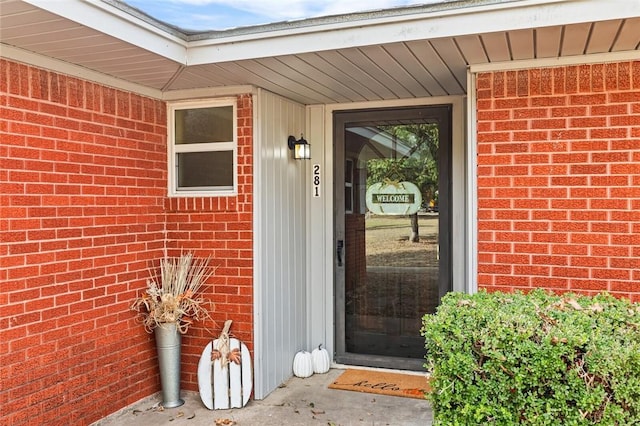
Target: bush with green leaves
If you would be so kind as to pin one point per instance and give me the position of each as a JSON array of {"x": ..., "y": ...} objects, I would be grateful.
[{"x": 534, "y": 359}]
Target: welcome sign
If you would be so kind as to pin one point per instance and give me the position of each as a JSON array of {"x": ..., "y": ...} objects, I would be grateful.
[{"x": 393, "y": 198}]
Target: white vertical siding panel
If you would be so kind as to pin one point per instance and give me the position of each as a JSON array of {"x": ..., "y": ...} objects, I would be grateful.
[{"x": 280, "y": 231}]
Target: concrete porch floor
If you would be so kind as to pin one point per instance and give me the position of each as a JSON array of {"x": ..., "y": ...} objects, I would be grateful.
[{"x": 297, "y": 402}]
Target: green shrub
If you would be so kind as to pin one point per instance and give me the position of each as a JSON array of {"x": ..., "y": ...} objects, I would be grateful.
[{"x": 535, "y": 359}]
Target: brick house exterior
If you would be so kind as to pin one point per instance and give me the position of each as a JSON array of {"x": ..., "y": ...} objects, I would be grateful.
[
  {"x": 559, "y": 179},
  {"x": 545, "y": 176},
  {"x": 84, "y": 215}
]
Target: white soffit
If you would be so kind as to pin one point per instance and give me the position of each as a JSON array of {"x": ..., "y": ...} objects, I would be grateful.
[
  {"x": 406, "y": 53},
  {"x": 117, "y": 23},
  {"x": 76, "y": 71}
]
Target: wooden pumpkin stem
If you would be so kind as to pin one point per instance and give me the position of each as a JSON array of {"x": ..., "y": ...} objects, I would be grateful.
[{"x": 223, "y": 344}]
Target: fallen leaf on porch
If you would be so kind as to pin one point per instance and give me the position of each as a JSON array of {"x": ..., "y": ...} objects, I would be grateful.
[
  {"x": 134, "y": 412},
  {"x": 192, "y": 416},
  {"x": 224, "y": 422},
  {"x": 180, "y": 414},
  {"x": 317, "y": 411},
  {"x": 414, "y": 391}
]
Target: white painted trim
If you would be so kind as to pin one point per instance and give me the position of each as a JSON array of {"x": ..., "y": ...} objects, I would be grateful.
[
  {"x": 319, "y": 296},
  {"x": 258, "y": 336},
  {"x": 50, "y": 64},
  {"x": 345, "y": 31},
  {"x": 472, "y": 189},
  {"x": 208, "y": 92},
  {"x": 596, "y": 58},
  {"x": 393, "y": 103},
  {"x": 117, "y": 23},
  {"x": 459, "y": 237},
  {"x": 460, "y": 21},
  {"x": 458, "y": 201},
  {"x": 172, "y": 149},
  {"x": 359, "y": 20},
  {"x": 328, "y": 235}
]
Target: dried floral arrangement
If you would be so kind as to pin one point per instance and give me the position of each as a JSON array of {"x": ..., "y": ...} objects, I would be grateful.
[{"x": 173, "y": 296}]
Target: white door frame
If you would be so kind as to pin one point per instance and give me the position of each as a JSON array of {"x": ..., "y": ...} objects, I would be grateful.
[{"x": 320, "y": 219}]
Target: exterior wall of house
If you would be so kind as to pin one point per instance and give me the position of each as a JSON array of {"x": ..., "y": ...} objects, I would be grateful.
[
  {"x": 222, "y": 227},
  {"x": 281, "y": 314},
  {"x": 83, "y": 215},
  {"x": 559, "y": 179}
]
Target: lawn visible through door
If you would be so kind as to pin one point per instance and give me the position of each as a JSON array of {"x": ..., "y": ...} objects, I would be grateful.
[{"x": 392, "y": 238}]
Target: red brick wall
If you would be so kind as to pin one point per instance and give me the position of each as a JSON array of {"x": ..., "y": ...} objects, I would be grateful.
[
  {"x": 83, "y": 214},
  {"x": 355, "y": 256},
  {"x": 222, "y": 227},
  {"x": 559, "y": 179}
]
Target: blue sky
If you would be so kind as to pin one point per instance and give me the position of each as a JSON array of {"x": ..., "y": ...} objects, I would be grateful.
[{"x": 225, "y": 14}]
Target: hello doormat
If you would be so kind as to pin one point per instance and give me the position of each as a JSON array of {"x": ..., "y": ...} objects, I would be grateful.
[{"x": 384, "y": 383}]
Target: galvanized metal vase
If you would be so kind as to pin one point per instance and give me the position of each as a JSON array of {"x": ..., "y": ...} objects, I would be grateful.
[{"x": 168, "y": 340}]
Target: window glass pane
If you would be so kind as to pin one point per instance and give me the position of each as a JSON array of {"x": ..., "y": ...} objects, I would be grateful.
[
  {"x": 205, "y": 169},
  {"x": 348, "y": 199},
  {"x": 204, "y": 125}
]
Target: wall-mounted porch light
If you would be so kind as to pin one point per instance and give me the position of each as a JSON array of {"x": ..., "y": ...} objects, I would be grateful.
[{"x": 301, "y": 148}]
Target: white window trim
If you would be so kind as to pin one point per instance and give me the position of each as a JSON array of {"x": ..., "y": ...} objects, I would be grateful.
[{"x": 173, "y": 149}]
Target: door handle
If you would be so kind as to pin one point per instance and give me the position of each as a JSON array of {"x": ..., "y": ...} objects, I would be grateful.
[{"x": 339, "y": 249}]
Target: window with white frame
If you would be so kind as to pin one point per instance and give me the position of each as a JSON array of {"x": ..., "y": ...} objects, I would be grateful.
[{"x": 202, "y": 147}]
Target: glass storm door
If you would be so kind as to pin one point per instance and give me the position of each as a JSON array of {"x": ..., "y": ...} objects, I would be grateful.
[{"x": 392, "y": 231}]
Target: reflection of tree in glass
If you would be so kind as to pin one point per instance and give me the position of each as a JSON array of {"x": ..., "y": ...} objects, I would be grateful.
[{"x": 419, "y": 166}]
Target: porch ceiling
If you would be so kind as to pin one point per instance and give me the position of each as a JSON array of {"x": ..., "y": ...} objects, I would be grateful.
[{"x": 381, "y": 56}]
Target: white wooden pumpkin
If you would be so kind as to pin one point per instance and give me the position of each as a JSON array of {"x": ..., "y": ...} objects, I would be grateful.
[
  {"x": 223, "y": 387},
  {"x": 320, "y": 359},
  {"x": 303, "y": 364}
]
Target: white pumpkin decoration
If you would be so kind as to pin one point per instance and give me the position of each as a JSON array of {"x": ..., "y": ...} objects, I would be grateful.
[
  {"x": 303, "y": 364},
  {"x": 320, "y": 358}
]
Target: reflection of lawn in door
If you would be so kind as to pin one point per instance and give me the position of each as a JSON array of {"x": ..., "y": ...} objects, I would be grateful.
[
  {"x": 387, "y": 239},
  {"x": 401, "y": 285}
]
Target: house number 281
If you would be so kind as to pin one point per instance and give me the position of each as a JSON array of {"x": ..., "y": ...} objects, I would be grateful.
[{"x": 316, "y": 180}]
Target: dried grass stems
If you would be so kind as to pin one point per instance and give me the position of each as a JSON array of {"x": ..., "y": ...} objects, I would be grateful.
[{"x": 175, "y": 299}]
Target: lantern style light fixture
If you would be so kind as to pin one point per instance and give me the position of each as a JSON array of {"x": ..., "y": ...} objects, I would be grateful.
[{"x": 301, "y": 148}]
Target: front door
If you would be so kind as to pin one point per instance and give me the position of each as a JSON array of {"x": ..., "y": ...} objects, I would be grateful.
[{"x": 392, "y": 231}]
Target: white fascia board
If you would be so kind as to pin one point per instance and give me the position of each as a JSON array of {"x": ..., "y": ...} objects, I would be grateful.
[
  {"x": 112, "y": 21},
  {"x": 420, "y": 26},
  {"x": 51, "y": 64}
]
